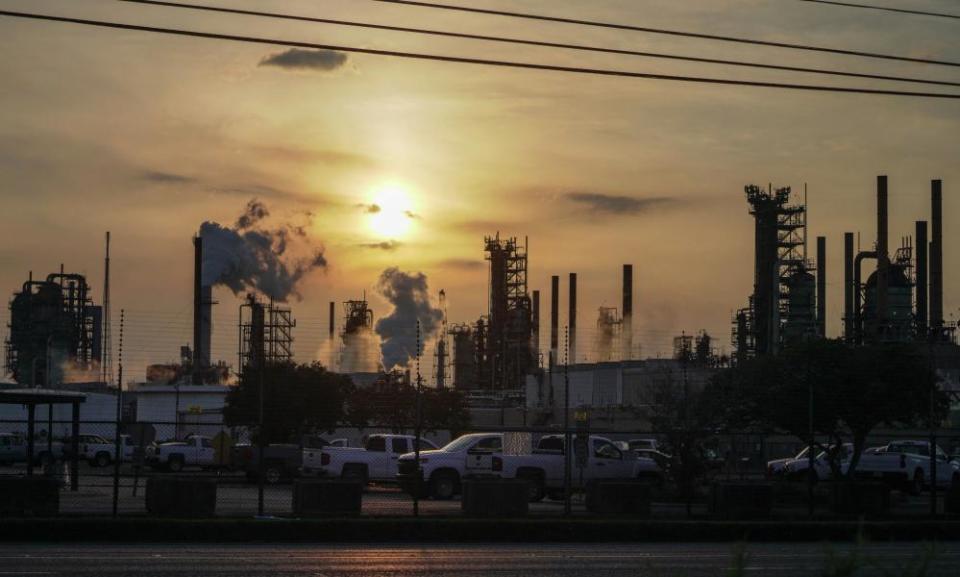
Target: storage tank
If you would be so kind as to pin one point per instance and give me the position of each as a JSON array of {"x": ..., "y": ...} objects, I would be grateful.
[
  {"x": 899, "y": 305},
  {"x": 801, "y": 307}
]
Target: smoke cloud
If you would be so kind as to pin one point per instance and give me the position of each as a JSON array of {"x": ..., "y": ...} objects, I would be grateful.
[
  {"x": 300, "y": 59},
  {"x": 616, "y": 204},
  {"x": 247, "y": 257},
  {"x": 410, "y": 297}
]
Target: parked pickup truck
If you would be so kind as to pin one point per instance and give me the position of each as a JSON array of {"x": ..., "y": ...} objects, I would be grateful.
[
  {"x": 99, "y": 451},
  {"x": 281, "y": 462},
  {"x": 902, "y": 464},
  {"x": 13, "y": 449},
  {"x": 600, "y": 459},
  {"x": 375, "y": 461},
  {"x": 443, "y": 469},
  {"x": 193, "y": 451}
]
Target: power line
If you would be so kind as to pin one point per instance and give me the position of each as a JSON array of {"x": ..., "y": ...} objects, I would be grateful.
[
  {"x": 885, "y": 8},
  {"x": 479, "y": 61},
  {"x": 540, "y": 43},
  {"x": 668, "y": 32}
]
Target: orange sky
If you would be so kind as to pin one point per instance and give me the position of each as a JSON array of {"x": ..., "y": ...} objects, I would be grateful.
[{"x": 147, "y": 136}]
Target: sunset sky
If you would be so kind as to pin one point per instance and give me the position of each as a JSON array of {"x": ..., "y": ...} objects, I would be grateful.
[{"x": 148, "y": 135}]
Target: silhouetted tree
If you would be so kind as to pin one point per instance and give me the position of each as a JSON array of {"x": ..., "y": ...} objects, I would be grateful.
[
  {"x": 297, "y": 400},
  {"x": 854, "y": 389}
]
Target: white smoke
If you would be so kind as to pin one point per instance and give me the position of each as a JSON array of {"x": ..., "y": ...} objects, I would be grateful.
[
  {"x": 247, "y": 257},
  {"x": 410, "y": 297}
]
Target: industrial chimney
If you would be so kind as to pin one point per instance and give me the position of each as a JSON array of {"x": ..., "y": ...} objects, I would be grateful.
[
  {"x": 936, "y": 259},
  {"x": 197, "y": 376},
  {"x": 627, "y": 332},
  {"x": 883, "y": 259},
  {"x": 822, "y": 286},
  {"x": 332, "y": 316},
  {"x": 535, "y": 321},
  {"x": 572, "y": 319},
  {"x": 921, "y": 259},
  {"x": 849, "y": 286},
  {"x": 554, "y": 316}
]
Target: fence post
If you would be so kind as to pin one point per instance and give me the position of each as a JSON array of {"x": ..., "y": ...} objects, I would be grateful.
[
  {"x": 118, "y": 450},
  {"x": 933, "y": 474},
  {"x": 260, "y": 435},
  {"x": 417, "y": 432}
]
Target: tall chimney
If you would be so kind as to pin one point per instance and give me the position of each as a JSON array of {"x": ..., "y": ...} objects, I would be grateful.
[
  {"x": 883, "y": 258},
  {"x": 197, "y": 377},
  {"x": 572, "y": 319},
  {"x": 206, "y": 324},
  {"x": 936, "y": 259},
  {"x": 535, "y": 321},
  {"x": 333, "y": 306},
  {"x": 822, "y": 286},
  {"x": 627, "y": 333},
  {"x": 554, "y": 315},
  {"x": 921, "y": 256},
  {"x": 848, "y": 287}
]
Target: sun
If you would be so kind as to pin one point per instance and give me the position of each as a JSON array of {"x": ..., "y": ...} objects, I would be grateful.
[{"x": 390, "y": 213}]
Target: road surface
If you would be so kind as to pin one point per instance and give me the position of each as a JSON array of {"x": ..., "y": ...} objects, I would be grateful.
[{"x": 526, "y": 560}]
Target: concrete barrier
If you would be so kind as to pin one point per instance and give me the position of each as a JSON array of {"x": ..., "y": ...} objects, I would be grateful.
[
  {"x": 741, "y": 500},
  {"x": 312, "y": 497},
  {"x": 619, "y": 498},
  {"x": 495, "y": 498},
  {"x": 29, "y": 496},
  {"x": 870, "y": 498},
  {"x": 181, "y": 496}
]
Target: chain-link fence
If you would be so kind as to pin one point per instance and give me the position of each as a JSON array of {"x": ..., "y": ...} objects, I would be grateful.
[{"x": 227, "y": 472}]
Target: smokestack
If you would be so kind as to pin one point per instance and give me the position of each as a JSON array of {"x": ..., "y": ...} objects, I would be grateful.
[
  {"x": 572, "y": 318},
  {"x": 536, "y": 322},
  {"x": 627, "y": 312},
  {"x": 197, "y": 377},
  {"x": 822, "y": 286},
  {"x": 332, "y": 316},
  {"x": 921, "y": 256},
  {"x": 883, "y": 257},
  {"x": 554, "y": 315},
  {"x": 936, "y": 259},
  {"x": 206, "y": 324},
  {"x": 848, "y": 287}
]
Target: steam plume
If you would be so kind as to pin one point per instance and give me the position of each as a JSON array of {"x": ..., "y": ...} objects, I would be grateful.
[
  {"x": 247, "y": 257},
  {"x": 410, "y": 297}
]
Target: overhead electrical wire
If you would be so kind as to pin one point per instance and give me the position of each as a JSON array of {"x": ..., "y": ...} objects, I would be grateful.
[
  {"x": 477, "y": 61},
  {"x": 539, "y": 43},
  {"x": 668, "y": 32},
  {"x": 885, "y": 8}
]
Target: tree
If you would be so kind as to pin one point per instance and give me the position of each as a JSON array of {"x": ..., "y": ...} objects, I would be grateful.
[
  {"x": 391, "y": 403},
  {"x": 854, "y": 389},
  {"x": 297, "y": 400}
]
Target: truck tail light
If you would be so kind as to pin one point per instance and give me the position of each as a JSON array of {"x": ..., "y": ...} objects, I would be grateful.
[
  {"x": 497, "y": 464},
  {"x": 324, "y": 459}
]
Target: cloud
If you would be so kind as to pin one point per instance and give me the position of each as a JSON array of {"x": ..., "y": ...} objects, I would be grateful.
[
  {"x": 299, "y": 59},
  {"x": 410, "y": 214},
  {"x": 462, "y": 263},
  {"x": 161, "y": 177},
  {"x": 369, "y": 208},
  {"x": 388, "y": 245},
  {"x": 616, "y": 204}
]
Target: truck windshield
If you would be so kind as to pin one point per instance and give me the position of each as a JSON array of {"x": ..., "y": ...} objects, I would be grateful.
[{"x": 460, "y": 443}]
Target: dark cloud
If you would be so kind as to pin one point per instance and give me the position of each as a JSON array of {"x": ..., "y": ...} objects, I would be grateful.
[
  {"x": 616, "y": 204},
  {"x": 161, "y": 177},
  {"x": 299, "y": 59},
  {"x": 369, "y": 208},
  {"x": 411, "y": 214},
  {"x": 387, "y": 245},
  {"x": 462, "y": 263}
]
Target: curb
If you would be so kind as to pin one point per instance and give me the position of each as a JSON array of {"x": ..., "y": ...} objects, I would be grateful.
[{"x": 391, "y": 529}]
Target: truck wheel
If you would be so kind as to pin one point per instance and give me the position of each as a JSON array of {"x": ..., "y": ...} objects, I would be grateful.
[
  {"x": 354, "y": 473},
  {"x": 536, "y": 491},
  {"x": 102, "y": 459},
  {"x": 917, "y": 485},
  {"x": 175, "y": 464},
  {"x": 273, "y": 475},
  {"x": 443, "y": 486}
]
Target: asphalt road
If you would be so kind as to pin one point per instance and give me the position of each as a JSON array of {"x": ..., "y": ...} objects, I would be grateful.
[{"x": 635, "y": 560}]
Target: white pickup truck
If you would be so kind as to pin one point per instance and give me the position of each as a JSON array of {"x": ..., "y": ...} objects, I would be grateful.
[
  {"x": 443, "y": 469},
  {"x": 902, "y": 464},
  {"x": 375, "y": 461},
  {"x": 597, "y": 458},
  {"x": 193, "y": 451}
]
